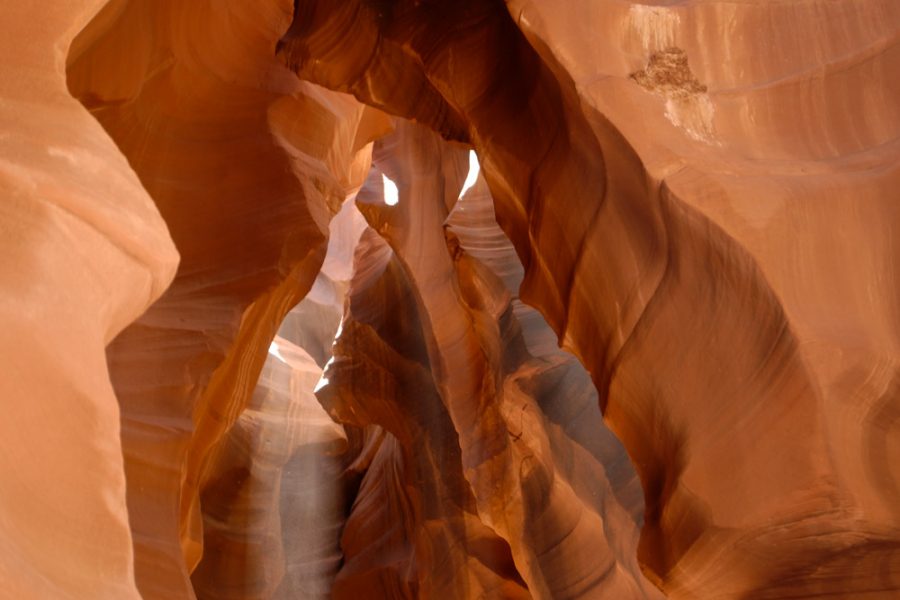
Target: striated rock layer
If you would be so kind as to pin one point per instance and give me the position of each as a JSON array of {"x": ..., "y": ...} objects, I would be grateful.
[
  {"x": 351, "y": 386},
  {"x": 568, "y": 534},
  {"x": 84, "y": 252},
  {"x": 218, "y": 135},
  {"x": 667, "y": 242}
]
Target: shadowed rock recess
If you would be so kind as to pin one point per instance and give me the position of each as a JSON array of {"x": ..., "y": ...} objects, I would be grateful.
[{"x": 450, "y": 299}]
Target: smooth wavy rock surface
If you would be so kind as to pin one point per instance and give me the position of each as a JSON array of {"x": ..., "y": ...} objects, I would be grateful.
[
  {"x": 568, "y": 534},
  {"x": 450, "y": 299},
  {"x": 702, "y": 261},
  {"x": 84, "y": 252},
  {"x": 220, "y": 150}
]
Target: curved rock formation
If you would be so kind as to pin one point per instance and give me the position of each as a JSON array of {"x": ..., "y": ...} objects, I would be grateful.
[
  {"x": 274, "y": 498},
  {"x": 350, "y": 384},
  {"x": 218, "y": 140},
  {"x": 625, "y": 245},
  {"x": 84, "y": 253},
  {"x": 540, "y": 491}
]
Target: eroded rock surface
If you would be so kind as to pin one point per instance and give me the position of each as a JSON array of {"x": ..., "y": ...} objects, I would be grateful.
[
  {"x": 629, "y": 206},
  {"x": 84, "y": 252},
  {"x": 351, "y": 385}
]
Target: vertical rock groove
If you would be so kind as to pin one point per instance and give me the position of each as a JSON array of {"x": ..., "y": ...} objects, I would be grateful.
[
  {"x": 450, "y": 299},
  {"x": 615, "y": 257}
]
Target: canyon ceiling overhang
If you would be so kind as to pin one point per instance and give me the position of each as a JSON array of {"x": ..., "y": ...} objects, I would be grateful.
[{"x": 450, "y": 299}]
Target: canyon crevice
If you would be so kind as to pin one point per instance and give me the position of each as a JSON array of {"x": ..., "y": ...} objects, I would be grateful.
[{"x": 450, "y": 299}]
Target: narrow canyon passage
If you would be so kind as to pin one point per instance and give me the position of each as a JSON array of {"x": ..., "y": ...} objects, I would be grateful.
[{"x": 450, "y": 299}]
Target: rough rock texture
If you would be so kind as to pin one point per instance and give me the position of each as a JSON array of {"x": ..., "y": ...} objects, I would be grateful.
[{"x": 351, "y": 386}]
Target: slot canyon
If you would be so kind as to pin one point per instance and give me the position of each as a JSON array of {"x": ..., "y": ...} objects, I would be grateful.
[{"x": 476, "y": 299}]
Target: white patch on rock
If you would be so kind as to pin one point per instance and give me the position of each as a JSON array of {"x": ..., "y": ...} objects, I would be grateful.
[
  {"x": 694, "y": 114},
  {"x": 654, "y": 25}
]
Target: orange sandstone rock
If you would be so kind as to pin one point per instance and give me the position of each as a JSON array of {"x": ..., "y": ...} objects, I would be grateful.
[
  {"x": 696, "y": 200},
  {"x": 83, "y": 252},
  {"x": 648, "y": 221},
  {"x": 246, "y": 165}
]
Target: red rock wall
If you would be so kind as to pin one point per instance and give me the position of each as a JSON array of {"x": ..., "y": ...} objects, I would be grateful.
[
  {"x": 696, "y": 199},
  {"x": 219, "y": 149},
  {"x": 84, "y": 252},
  {"x": 659, "y": 249}
]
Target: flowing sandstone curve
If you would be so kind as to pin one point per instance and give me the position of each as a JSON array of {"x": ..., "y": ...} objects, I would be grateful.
[
  {"x": 540, "y": 490},
  {"x": 275, "y": 495},
  {"x": 413, "y": 530},
  {"x": 246, "y": 165},
  {"x": 665, "y": 220},
  {"x": 84, "y": 252},
  {"x": 695, "y": 198}
]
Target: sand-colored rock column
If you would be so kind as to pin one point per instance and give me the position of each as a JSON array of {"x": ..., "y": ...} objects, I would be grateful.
[{"x": 83, "y": 252}]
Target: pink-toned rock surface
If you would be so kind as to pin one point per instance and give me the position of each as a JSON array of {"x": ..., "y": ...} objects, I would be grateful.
[
  {"x": 275, "y": 496},
  {"x": 265, "y": 337},
  {"x": 539, "y": 490},
  {"x": 218, "y": 134},
  {"x": 84, "y": 252},
  {"x": 677, "y": 262}
]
